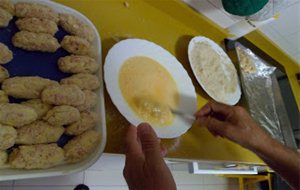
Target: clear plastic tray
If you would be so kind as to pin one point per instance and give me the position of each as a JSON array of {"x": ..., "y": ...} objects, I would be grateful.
[{"x": 28, "y": 69}]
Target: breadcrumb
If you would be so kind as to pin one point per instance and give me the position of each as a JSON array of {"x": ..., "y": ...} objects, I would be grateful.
[
  {"x": 5, "y": 18},
  {"x": 85, "y": 81},
  {"x": 90, "y": 101},
  {"x": 81, "y": 146},
  {"x": 6, "y": 55},
  {"x": 8, "y": 136},
  {"x": 40, "y": 156},
  {"x": 78, "y": 64},
  {"x": 63, "y": 95},
  {"x": 62, "y": 115},
  {"x": 26, "y": 87},
  {"x": 34, "y": 10},
  {"x": 3, "y": 74},
  {"x": 76, "y": 27},
  {"x": 37, "y": 25},
  {"x": 16, "y": 115},
  {"x": 31, "y": 41},
  {"x": 39, "y": 132},
  {"x": 88, "y": 120},
  {"x": 8, "y": 6},
  {"x": 78, "y": 46},
  {"x": 3, "y": 97},
  {"x": 39, "y": 107}
]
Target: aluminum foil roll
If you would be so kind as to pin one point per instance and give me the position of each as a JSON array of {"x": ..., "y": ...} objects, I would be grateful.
[{"x": 257, "y": 78}]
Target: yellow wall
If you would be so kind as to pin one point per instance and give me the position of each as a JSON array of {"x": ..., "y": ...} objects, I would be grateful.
[{"x": 170, "y": 24}]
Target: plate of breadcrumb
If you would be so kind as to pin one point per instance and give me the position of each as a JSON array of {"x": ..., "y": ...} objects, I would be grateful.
[{"x": 52, "y": 114}]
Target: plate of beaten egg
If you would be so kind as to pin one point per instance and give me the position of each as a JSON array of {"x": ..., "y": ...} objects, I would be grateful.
[
  {"x": 147, "y": 83},
  {"x": 52, "y": 115}
]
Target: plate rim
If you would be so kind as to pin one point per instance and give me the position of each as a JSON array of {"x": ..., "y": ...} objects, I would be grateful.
[
  {"x": 113, "y": 89},
  {"x": 236, "y": 96}
]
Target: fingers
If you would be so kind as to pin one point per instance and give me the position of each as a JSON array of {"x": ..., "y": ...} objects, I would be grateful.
[
  {"x": 132, "y": 144},
  {"x": 213, "y": 107},
  {"x": 163, "y": 151},
  {"x": 134, "y": 155},
  {"x": 204, "y": 111},
  {"x": 219, "y": 108},
  {"x": 150, "y": 144},
  {"x": 215, "y": 126}
]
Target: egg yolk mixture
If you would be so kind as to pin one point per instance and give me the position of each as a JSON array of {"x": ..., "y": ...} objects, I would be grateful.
[{"x": 149, "y": 90}]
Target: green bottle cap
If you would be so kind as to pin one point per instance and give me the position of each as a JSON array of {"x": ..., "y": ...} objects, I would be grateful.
[{"x": 243, "y": 7}]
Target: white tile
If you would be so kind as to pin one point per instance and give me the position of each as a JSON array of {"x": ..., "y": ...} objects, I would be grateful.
[
  {"x": 69, "y": 180},
  {"x": 288, "y": 21},
  {"x": 184, "y": 178},
  {"x": 294, "y": 40},
  {"x": 212, "y": 12},
  {"x": 6, "y": 188},
  {"x": 292, "y": 2},
  {"x": 217, "y": 3},
  {"x": 289, "y": 44},
  {"x": 285, "y": 46},
  {"x": 109, "y": 162},
  {"x": 296, "y": 57},
  {"x": 270, "y": 32},
  {"x": 170, "y": 166},
  {"x": 106, "y": 178},
  {"x": 6, "y": 183},
  {"x": 180, "y": 167},
  {"x": 221, "y": 187},
  {"x": 108, "y": 188},
  {"x": 213, "y": 179},
  {"x": 190, "y": 187},
  {"x": 43, "y": 188}
]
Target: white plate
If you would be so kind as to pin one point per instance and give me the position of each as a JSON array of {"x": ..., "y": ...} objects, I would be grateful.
[
  {"x": 12, "y": 174},
  {"x": 231, "y": 98},
  {"x": 125, "y": 49}
]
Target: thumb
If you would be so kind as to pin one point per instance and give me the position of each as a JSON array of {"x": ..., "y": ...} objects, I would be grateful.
[{"x": 150, "y": 144}]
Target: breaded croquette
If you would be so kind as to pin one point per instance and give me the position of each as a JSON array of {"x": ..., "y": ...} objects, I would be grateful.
[
  {"x": 62, "y": 115},
  {"x": 78, "y": 46},
  {"x": 8, "y": 136},
  {"x": 63, "y": 95},
  {"x": 76, "y": 27},
  {"x": 38, "y": 132},
  {"x": 78, "y": 64},
  {"x": 31, "y": 41},
  {"x": 6, "y": 55},
  {"x": 16, "y": 115},
  {"x": 34, "y": 10},
  {"x": 90, "y": 101},
  {"x": 40, "y": 156},
  {"x": 85, "y": 81},
  {"x": 26, "y": 87},
  {"x": 88, "y": 120},
  {"x": 81, "y": 146},
  {"x": 37, "y": 25},
  {"x": 39, "y": 107}
]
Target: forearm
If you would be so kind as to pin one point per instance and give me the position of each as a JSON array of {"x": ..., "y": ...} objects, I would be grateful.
[
  {"x": 236, "y": 124},
  {"x": 285, "y": 161}
]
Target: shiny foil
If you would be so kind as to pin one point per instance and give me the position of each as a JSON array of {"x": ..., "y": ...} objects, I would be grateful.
[{"x": 257, "y": 79}]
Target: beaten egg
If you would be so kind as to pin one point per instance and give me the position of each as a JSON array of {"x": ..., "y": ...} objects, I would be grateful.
[
  {"x": 149, "y": 89},
  {"x": 147, "y": 84}
]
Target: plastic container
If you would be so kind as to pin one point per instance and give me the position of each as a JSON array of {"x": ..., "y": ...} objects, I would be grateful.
[{"x": 13, "y": 174}]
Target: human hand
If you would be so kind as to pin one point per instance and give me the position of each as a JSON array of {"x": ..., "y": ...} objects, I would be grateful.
[
  {"x": 232, "y": 122},
  {"x": 145, "y": 168}
]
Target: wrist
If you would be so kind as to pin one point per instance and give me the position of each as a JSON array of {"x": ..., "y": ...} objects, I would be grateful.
[{"x": 261, "y": 143}]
